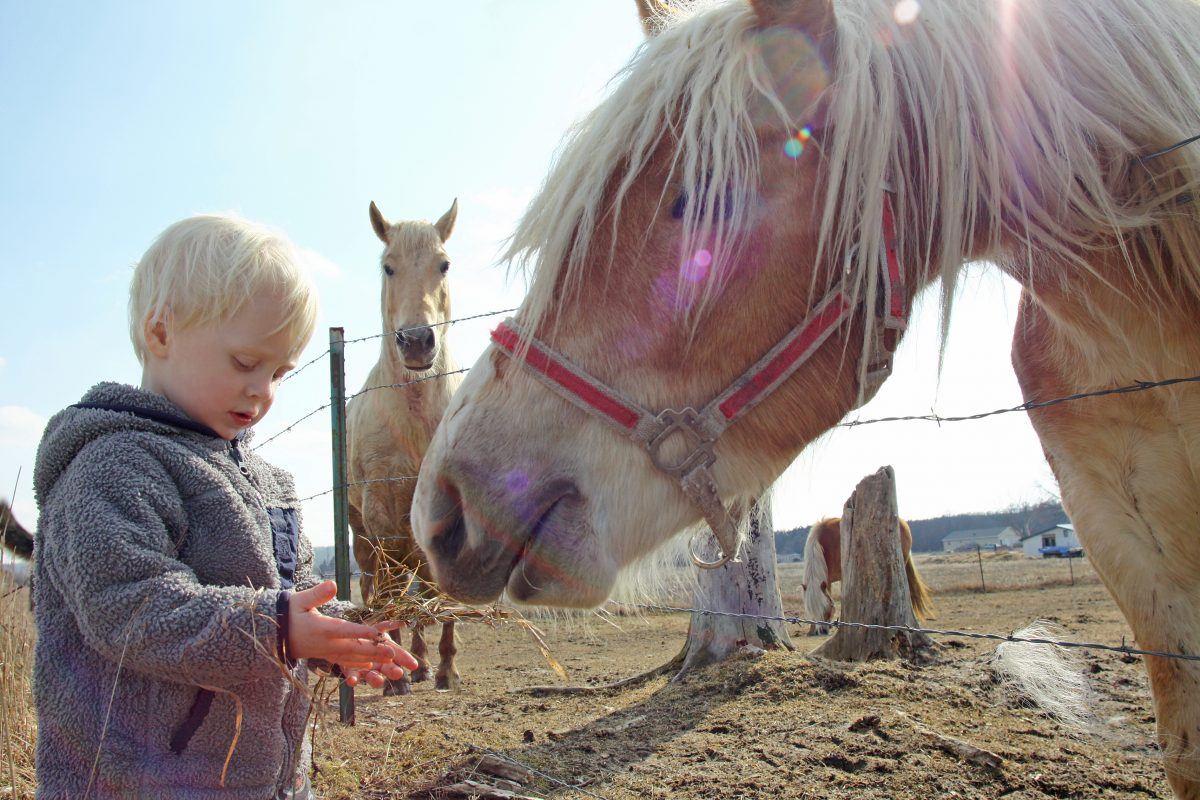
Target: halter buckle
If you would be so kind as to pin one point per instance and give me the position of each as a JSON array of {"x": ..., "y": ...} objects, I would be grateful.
[{"x": 700, "y": 453}]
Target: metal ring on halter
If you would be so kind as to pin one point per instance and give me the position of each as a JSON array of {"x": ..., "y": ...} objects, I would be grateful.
[{"x": 721, "y": 561}]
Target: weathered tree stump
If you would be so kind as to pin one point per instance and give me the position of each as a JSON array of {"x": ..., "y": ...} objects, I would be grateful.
[
  {"x": 748, "y": 586},
  {"x": 874, "y": 583}
]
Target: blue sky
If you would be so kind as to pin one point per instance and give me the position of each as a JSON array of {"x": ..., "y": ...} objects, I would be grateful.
[{"x": 120, "y": 118}]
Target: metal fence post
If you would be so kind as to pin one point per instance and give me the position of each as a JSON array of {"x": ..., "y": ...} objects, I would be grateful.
[
  {"x": 341, "y": 520},
  {"x": 982, "y": 581}
]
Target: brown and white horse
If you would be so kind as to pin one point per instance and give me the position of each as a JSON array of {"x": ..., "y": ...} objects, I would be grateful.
[
  {"x": 389, "y": 429},
  {"x": 15, "y": 538},
  {"x": 823, "y": 568},
  {"x": 761, "y": 162}
]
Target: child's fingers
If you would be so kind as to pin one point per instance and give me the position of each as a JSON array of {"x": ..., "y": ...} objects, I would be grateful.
[
  {"x": 344, "y": 629},
  {"x": 350, "y": 650},
  {"x": 389, "y": 626},
  {"x": 391, "y": 671},
  {"x": 399, "y": 655}
]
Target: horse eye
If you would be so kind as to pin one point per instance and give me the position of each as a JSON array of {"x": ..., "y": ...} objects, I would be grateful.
[
  {"x": 388, "y": 270},
  {"x": 445, "y": 267},
  {"x": 679, "y": 207}
]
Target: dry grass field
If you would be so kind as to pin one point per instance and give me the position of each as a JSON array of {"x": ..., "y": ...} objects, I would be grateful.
[{"x": 779, "y": 725}]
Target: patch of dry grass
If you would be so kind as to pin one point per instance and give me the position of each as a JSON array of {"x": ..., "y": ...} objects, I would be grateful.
[{"x": 18, "y": 723}]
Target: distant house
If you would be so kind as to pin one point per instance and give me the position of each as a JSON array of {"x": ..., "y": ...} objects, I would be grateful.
[
  {"x": 983, "y": 538},
  {"x": 1058, "y": 536}
]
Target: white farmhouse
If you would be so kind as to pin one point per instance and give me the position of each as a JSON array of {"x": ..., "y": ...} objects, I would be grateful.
[
  {"x": 983, "y": 538},
  {"x": 1058, "y": 536}
]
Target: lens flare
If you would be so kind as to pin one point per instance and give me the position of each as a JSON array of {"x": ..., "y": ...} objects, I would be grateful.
[
  {"x": 517, "y": 482},
  {"x": 906, "y": 11},
  {"x": 794, "y": 147}
]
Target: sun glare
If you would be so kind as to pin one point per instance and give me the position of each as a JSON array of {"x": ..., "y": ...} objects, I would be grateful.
[{"x": 906, "y": 11}]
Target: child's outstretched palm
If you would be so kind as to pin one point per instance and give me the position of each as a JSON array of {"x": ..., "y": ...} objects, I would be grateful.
[{"x": 362, "y": 652}]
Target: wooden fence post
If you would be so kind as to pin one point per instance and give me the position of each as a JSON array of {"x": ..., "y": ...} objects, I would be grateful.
[
  {"x": 748, "y": 586},
  {"x": 874, "y": 583}
]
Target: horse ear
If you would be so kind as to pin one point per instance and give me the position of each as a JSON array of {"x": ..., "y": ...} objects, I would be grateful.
[
  {"x": 379, "y": 223},
  {"x": 445, "y": 225},
  {"x": 653, "y": 15}
]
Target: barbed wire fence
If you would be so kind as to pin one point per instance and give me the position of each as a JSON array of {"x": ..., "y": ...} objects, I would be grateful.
[{"x": 337, "y": 405}]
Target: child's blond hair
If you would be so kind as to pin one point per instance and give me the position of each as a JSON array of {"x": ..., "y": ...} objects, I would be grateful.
[{"x": 203, "y": 269}]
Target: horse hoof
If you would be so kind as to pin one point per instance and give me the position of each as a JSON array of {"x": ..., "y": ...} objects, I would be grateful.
[
  {"x": 447, "y": 683},
  {"x": 419, "y": 674},
  {"x": 396, "y": 688}
]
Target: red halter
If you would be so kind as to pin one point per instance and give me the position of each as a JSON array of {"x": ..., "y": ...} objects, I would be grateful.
[{"x": 702, "y": 428}]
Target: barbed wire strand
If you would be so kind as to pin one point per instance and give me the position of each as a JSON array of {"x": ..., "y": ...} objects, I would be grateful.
[
  {"x": 356, "y": 394},
  {"x": 298, "y": 370},
  {"x": 1138, "y": 386},
  {"x": 292, "y": 426},
  {"x": 396, "y": 479},
  {"x": 431, "y": 325},
  {"x": 1000, "y": 637},
  {"x": 407, "y": 383}
]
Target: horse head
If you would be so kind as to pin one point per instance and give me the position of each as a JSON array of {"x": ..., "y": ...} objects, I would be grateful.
[
  {"x": 677, "y": 240},
  {"x": 415, "y": 295}
]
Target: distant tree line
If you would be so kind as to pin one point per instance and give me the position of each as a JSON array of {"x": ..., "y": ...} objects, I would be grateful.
[
  {"x": 324, "y": 565},
  {"x": 928, "y": 533}
]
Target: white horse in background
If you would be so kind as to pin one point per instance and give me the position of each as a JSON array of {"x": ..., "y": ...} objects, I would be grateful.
[{"x": 389, "y": 429}]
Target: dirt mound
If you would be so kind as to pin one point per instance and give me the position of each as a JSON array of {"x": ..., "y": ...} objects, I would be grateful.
[{"x": 777, "y": 726}]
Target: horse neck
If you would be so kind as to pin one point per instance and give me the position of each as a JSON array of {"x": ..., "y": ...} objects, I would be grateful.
[
  {"x": 424, "y": 395},
  {"x": 1112, "y": 318}
]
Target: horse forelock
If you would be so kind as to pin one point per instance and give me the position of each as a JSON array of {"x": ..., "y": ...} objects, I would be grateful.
[
  {"x": 1007, "y": 129},
  {"x": 687, "y": 89}
]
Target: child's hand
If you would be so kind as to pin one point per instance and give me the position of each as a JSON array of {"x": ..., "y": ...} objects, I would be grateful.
[{"x": 362, "y": 651}]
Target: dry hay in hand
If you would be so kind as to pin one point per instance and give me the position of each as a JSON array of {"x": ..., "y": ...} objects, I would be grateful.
[{"x": 411, "y": 610}]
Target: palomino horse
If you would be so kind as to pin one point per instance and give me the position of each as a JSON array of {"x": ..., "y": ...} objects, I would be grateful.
[
  {"x": 765, "y": 164},
  {"x": 823, "y": 568},
  {"x": 389, "y": 429}
]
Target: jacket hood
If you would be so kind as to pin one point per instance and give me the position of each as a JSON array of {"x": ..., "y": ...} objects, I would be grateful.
[{"x": 110, "y": 408}]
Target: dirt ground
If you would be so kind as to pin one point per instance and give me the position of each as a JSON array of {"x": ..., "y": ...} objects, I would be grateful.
[{"x": 776, "y": 726}]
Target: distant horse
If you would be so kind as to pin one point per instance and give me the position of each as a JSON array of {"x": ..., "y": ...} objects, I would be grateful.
[
  {"x": 823, "y": 568},
  {"x": 727, "y": 248},
  {"x": 16, "y": 538},
  {"x": 388, "y": 429}
]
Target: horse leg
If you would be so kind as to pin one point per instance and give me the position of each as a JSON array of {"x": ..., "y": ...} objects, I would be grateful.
[
  {"x": 1161, "y": 611},
  {"x": 447, "y": 673},
  {"x": 419, "y": 651},
  {"x": 1127, "y": 467},
  {"x": 405, "y": 685}
]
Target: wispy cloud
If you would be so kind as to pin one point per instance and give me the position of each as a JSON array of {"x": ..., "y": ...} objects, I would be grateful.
[
  {"x": 19, "y": 427},
  {"x": 3, "y": 362},
  {"x": 319, "y": 265}
]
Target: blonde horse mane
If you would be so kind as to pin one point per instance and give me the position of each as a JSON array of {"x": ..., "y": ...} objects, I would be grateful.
[
  {"x": 1006, "y": 127},
  {"x": 816, "y": 576}
]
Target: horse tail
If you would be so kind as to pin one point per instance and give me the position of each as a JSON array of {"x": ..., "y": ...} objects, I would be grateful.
[
  {"x": 16, "y": 538},
  {"x": 1048, "y": 676},
  {"x": 816, "y": 576},
  {"x": 918, "y": 591}
]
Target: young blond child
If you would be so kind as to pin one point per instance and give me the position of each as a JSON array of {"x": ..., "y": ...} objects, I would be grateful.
[{"x": 173, "y": 588}]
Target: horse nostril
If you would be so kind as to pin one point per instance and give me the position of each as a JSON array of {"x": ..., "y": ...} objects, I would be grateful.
[
  {"x": 422, "y": 339},
  {"x": 449, "y": 533}
]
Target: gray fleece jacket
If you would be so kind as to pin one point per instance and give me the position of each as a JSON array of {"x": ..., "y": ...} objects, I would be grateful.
[{"x": 163, "y": 561}]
